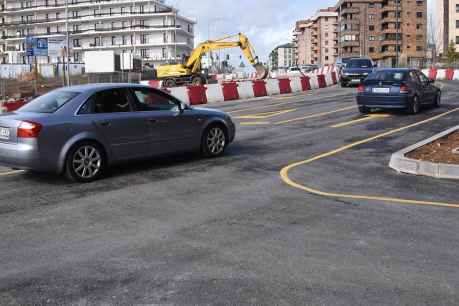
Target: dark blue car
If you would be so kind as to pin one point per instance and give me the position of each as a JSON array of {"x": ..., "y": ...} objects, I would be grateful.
[
  {"x": 355, "y": 71},
  {"x": 394, "y": 88}
]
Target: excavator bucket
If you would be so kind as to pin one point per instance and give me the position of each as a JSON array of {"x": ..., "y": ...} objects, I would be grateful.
[{"x": 262, "y": 71}]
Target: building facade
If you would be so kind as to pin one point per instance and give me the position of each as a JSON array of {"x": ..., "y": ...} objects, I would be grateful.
[
  {"x": 316, "y": 39},
  {"x": 447, "y": 25},
  {"x": 302, "y": 36},
  {"x": 390, "y": 32},
  {"x": 282, "y": 57},
  {"x": 149, "y": 29},
  {"x": 325, "y": 37}
]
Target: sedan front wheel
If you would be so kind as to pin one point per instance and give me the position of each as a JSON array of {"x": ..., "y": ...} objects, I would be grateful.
[{"x": 214, "y": 141}]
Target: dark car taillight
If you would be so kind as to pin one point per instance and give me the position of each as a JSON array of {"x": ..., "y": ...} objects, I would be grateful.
[
  {"x": 29, "y": 129},
  {"x": 361, "y": 88},
  {"x": 404, "y": 89}
]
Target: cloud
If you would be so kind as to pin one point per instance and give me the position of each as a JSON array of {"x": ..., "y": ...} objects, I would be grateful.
[{"x": 267, "y": 23}]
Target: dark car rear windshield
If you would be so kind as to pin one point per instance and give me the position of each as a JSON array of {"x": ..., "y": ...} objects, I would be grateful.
[
  {"x": 387, "y": 76},
  {"x": 359, "y": 63},
  {"x": 50, "y": 102}
]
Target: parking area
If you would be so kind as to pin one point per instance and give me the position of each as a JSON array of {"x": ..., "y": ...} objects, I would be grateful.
[{"x": 302, "y": 209}]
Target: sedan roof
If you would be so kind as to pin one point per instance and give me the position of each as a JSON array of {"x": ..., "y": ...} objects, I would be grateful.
[{"x": 102, "y": 86}]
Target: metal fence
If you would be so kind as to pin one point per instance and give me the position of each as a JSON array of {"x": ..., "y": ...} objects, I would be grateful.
[{"x": 33, "y": 85}]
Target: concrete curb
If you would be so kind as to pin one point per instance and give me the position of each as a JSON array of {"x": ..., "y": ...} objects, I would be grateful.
[{"x": 401, "y": 163}]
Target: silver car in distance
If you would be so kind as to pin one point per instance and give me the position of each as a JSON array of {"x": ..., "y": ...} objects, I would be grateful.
[{"x": 80, "y": 131}]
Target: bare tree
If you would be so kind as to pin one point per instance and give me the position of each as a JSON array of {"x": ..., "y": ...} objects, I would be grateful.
[{"x": 433, "y": 37}]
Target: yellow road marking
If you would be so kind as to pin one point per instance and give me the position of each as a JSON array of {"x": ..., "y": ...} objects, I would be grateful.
[
  {"x": 256, "y": 107},
  {"x": 255, "y": 123},
  {"x": 11, "y": 172},
  {"x": 366, "y": 118},
  {"x": 285, "y": 177},
  {"x": 266, "y": 115},
  {"x": 314, "y": 115}
]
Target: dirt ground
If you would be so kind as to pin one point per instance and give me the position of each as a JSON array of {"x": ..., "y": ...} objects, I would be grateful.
[{"x": 439, "y": 151}]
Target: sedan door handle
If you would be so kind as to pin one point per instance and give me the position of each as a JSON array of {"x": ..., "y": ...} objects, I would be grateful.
[{"x": 154, "y": 121}]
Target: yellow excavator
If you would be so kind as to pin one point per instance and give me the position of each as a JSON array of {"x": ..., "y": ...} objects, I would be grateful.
[{"x": 191, "y": 72}]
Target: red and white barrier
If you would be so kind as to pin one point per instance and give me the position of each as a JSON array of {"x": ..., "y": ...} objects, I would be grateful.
[
  {"x": 448, "y": 74},
  {"x": 228, "y": 91}
]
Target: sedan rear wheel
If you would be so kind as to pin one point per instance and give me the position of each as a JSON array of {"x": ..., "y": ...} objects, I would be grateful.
[
  {"x": 214, "y": 141},
  {"x": 437, "y": 102},
  {"x": 414, "y": 106},
  {"x": 85, "y": 163}
]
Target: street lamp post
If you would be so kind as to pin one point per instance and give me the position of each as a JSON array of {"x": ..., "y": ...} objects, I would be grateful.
[
  {"x": 397, "y": 35},
  {"x": 67, "y": 53}
]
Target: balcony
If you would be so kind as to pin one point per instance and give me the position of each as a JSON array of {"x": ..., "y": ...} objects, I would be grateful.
[
  {"x": 390, "y": 31},
  {"x": 354, "y": 43},
  {"x": 349, "y": 10},
  {"x": 388, "y": 53},
  {"x": 390, "y": 42},
  {"x": 390, "y": 19},
  {"x": 389, "y": 8}
]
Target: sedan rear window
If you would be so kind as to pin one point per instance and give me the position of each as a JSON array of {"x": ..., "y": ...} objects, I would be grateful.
[
  {"x": 50, "y": 102},
  {"x": 391, "y": 76}
]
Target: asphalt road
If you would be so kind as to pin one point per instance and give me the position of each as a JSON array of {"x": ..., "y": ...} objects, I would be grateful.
[{"x": 184, "y": 230}]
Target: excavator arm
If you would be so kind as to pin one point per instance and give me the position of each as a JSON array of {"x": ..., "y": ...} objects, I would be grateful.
[{"x": 194, "y": 61}]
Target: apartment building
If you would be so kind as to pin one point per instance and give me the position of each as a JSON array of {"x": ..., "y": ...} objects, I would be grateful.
[
  {"x": 302, "y": 36},
  {"x": 150, "y": 29},
  {"x": 387, "y": 31},
  {"x": 325, "y": 37},
  {"x": 447, "y": 27},
  {"x": 282, "y": 57},
  {"x": 316, "y": 39}
]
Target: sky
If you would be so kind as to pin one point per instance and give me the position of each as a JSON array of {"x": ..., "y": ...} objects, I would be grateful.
[{"x": 267, "y": 23}]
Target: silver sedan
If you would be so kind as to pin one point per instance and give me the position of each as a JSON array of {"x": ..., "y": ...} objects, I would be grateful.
[{"x": 82, "y": 130}]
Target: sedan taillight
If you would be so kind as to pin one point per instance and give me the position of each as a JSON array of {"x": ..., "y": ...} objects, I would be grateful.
[
  {"x": 361, "y": 88},
  {"x": 29, "y": 129},
  {"x": 404, "y": 89}
]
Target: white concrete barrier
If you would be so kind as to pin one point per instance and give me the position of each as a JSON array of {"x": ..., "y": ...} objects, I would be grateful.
[
  {"x": 314, "y": 82},
  {"x": 426, "y": 71},
  {"x": 214, "y": 93},
  {"x": 245, "y": 90},
  {"x": 295, "y": 84},
  {"x": 272, "y": 87},
  {"x": 441, "y": 74},
  {"x": 180, "y": 93},
  {"x": 456, "y": 75},
  {"x": 329, "y": 79}
]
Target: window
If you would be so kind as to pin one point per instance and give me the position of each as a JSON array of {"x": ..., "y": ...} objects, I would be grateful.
[
  {"x": 150, "y": 100},
  {"x": 371, "y": 28},
  {"x": 418, "y": 48},
  {"x": 457, "y": 8},
  {"x": 419, "y": 14},
  {"x": 457, "y": 40},
  {"x": 457, "y": 24},
  {"x": 76, "y": 42},
  {"x": 107, "y": 101},
  {"x": 50, "y": 102},
  {"x": 143, "y": 53}
]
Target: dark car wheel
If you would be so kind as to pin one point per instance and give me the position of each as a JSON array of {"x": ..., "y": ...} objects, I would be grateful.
[
  {"x": 437, "y": 101},
  {"x": 170, "y": 83},
  {"x": 364, "y": 110},
  {"x": 414, "y": 106},
  {"x": 343, "y": 84},
  {"x": 214, "y": 141},
  {"x": 86, "y": 162}
]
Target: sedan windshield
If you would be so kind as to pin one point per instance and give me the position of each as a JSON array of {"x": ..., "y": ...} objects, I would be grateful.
[
  {"x": 387, "y": 76},
  {"x": 49, "y": 103},
  {"x": 360, "y": 63}
]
